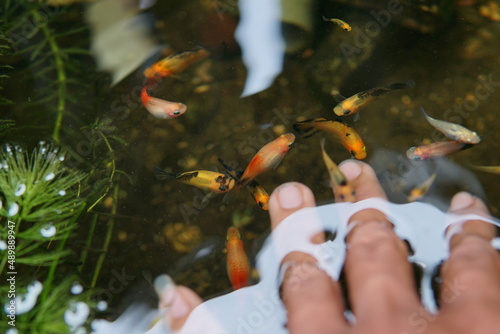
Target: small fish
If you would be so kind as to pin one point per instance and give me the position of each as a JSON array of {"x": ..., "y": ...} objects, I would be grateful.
[
  {"x": 238, "y": 265},
  {"x": 419, "y": 191},
  {"x": 453, "y": 131},
  {"x": 203, "y": 179},
  {"x": 339, "y": 22},
  {"x": 488, "y": 169},
  {"x": 174, "y": 64},
  {"x": 351, "y": 105},
  {"x": 161, "y": 108},
  {"x": 259, "y": 194},
  {"x": 342, "y": 189},
  {"x": 268, "y": 157},
  {"x": 347, "y": 135},
  {"x": 435, "y": 150}
]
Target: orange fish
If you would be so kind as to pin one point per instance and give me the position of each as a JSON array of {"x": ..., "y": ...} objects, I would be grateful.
[
  {"x": 238, "y": 265},
  {"x": 342, "y": 189},
  {"x": 203, "y": 179},
  {"x": 268, "y": 157},
  {"x": 435, "y": 150},
  {"x": 174, "y": 64},
  {"x": 161, "y": 108},
  {"x": 259, "y": 194},
  {"x": 347, "y": 135}
]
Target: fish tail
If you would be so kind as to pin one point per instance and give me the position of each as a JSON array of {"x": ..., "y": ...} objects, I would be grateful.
[
  {"x": 401, "y": 85},
  {"x": 163, "y": 174},
  {"x": 306, "y": 128}
]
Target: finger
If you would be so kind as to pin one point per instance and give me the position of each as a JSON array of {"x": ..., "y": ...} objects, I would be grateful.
[
  {"x": 471, "y": 275},
  {"x": 365, "y": 184},
  {"x": 379, "y": 276},
  {"x": 178, "y": 300},
  {"x": 313, "y": 301}
]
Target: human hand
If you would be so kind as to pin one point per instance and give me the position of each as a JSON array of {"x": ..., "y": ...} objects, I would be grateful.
[
  {"x": 380, "y": 281},
  {"x": 379, "y": 277}
]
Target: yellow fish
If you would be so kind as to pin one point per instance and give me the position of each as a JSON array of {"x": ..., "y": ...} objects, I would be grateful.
[
  {"x": 348, "y": 136},
  {"x": 203, "y": 179},
  {"x": 351, "y": 105},
  {"x": 344, "y": 25},
  {"x": 488, "y": 169},
  {"x": 342, "y": 189},
  {"x": 419, "y": 191}
]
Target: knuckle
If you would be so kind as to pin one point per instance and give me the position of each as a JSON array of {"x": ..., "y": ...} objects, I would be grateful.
[{"x": 373, "y": 240}]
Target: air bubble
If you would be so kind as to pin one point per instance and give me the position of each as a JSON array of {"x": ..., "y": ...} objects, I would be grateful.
[
  {"x": 62, "y": 192},
  {"x": 61, "y": 158},
  {"x": 76, "y": 315},
  {"x": 8, "y": 149},
  {"x": 102, "y": 305},
  {"x": 18, "y": 148},
  {"x": 27, "y": 302},
  {"x": 21, "y": 188},
  {"x": 48, "y": 231},
  {"x": 41, "y": 142},
  {"x": 13, "y": 209},
  {"x": 76, "y": 288},
  {"x": 12, "y": 331},
  {"x": 43, "y": 150},
  {"x": 80, "y": 330},
  {"x": 3, "y": 245},
  {"x": 49, "y": 176}
]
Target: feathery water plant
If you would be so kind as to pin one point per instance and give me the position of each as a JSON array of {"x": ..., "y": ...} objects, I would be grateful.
[{"x": 40, "y": 195}]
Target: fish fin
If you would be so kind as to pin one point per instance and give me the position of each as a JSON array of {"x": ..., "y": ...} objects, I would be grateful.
[
  {"x": 422, "y": 110},
  {"x": 411, "y": 83},
  {"x": 357, "y": 117},
  {"x": 339, "y": 97},
  {"x": 399, "y": 85},
  {"x": 305, "y": 128},
  {"x": 163, "y": 174},
  {"x": 230, "y": 170}
]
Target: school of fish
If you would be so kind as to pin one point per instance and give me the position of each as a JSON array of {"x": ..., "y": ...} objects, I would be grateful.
[{"x": 272, "y": 153}]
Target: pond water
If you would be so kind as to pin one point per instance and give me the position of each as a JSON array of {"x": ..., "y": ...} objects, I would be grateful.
[{"x": 451, "y": 55}]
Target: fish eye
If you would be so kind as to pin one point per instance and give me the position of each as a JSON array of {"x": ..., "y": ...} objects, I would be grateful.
[{"x": 176, "y": 113}]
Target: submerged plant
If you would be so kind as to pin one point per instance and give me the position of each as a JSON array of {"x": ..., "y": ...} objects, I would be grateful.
[
  {"x": 39, "y": 205},
  {"x": 55, "y": 56}
]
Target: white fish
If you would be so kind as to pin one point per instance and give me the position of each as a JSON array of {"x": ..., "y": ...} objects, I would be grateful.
[{"x": 453, "y": 131}]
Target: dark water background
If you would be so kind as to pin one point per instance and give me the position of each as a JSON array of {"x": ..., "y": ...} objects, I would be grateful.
[{"x": 160, "y": 224}]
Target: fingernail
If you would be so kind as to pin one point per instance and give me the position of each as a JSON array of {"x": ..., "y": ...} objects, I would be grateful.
[
  {"x": 351, "y": 168},
  {"x": 461, "y": 201},
  {"x": 165, "y": 289},
  {"x": 179, "y": 307},
  {"x": 290, "y": 196}
]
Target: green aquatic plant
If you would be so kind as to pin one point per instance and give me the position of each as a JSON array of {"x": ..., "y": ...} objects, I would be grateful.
[
  {"x": 53, "y": 49},
  {"x": 6, "y": 125},
  {"x": 40, "y": 202}
]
